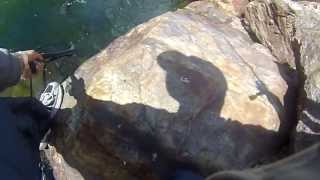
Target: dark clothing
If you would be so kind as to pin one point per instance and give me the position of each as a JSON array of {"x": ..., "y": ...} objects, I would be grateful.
[
  {"x": 10, "y": 69},
  {"x": 23, "y": 122}
]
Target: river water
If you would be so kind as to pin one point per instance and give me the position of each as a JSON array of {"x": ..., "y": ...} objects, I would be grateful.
[{"x": 49, "y": 25}]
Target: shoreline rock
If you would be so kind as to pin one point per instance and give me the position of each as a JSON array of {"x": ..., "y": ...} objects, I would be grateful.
[{"x": 185, "y": 89}]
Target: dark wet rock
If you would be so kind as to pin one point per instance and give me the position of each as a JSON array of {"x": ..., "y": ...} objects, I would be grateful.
[{"x": 187, "y": 89}]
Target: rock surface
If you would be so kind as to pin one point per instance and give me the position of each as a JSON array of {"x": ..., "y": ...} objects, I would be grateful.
[
  {"x": 291, "y": 31},
  {"x": 59, "y": 167},
  {"x": 186, "y": 89},
  {"x": 272, "y": 23},
  {"x": 232, "y": 7},
  {"x": 308, "y": 37}
]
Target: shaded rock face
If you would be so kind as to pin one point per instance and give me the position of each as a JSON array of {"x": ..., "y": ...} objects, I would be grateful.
[{"x": 187, "y": 89}]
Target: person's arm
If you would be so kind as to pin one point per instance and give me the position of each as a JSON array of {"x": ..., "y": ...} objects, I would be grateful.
[
  {"x": 14, "y": 66},
  {"x": 10, "y": 69}
]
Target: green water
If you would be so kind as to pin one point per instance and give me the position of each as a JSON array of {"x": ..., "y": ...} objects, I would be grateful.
[{"x": 52, "y": 24}]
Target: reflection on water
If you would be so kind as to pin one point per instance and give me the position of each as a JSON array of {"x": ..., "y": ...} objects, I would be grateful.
[{"x": 53, "y": 24}]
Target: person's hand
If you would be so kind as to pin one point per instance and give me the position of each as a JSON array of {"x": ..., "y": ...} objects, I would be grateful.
[{"x": 26, "y": 58}]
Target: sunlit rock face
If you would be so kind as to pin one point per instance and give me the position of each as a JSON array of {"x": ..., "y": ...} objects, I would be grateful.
[
  {"x": 187, "y": 89},
  {"x": 271, "y": 22},
  {"x": 232, "y": 7}
]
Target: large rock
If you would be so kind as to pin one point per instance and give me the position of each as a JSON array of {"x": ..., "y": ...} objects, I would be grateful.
[
  {"x": 298, "y": 40},
  {"x": 308, "y": 46},
  {"x": 186, "y": 89}
]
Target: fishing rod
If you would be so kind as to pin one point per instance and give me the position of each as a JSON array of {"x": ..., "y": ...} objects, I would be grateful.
[
  {"x": 53, "y": 56},
  {"x": 49, "y": 57}
]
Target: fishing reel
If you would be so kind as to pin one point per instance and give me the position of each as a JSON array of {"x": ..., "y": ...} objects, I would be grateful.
[
  {"x": 52, "y": 56},
  {"x": 48, "y": 58}
]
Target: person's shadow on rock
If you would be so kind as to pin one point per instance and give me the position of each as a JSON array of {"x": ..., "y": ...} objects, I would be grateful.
[{"x": 154, "y": 140}]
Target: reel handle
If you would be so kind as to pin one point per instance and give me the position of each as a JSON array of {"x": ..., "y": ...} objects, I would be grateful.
[{"x": 33, "y": 67}]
